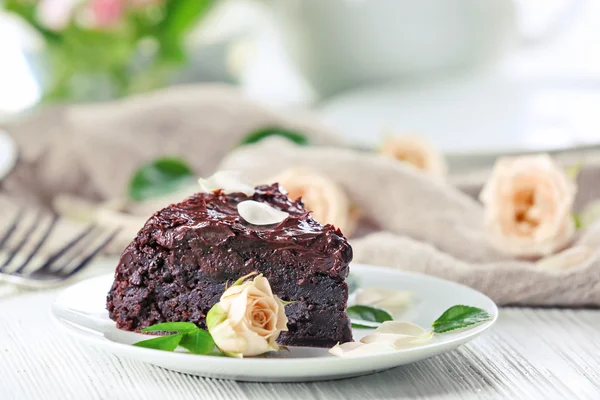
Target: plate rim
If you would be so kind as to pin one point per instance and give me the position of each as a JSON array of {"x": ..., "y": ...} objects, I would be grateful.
[{"x": 78, "y": 331}]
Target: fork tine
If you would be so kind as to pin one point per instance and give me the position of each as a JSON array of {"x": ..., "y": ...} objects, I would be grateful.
[
  {"x": 39, "y": 244},
  {"x": 73, "y": 255},
  {"x": 22, "y": 242},
  {"x": 60, "y": 252},
  {"x": 83, "y": 263},
  {"x": 11, "y": 229}
]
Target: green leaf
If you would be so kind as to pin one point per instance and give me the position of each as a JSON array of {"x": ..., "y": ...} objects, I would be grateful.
[
  {"x": 261, "y": 134},
  {"x": 179, "y": 327},
  {"x": 352, "y": 283},
  {"x": 215, "y": 316},
  {"x": 166, "y": 343},
  {"x": 198, "y": 342},
  {"x": 458, "y": 317},
  {"x": 367, "y": 316},
  {"x": 160, "y": 177}
]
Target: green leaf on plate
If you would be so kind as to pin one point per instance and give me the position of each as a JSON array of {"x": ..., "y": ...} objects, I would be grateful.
[
  {"x": 179, "y": 327},
  {"x": 367, "y": 316},
  {"x": 261, "y": 134},
  {"x": 198, "y": 342},
  {"x": 458, "y": 317},
  {"x": 167, "y": 343},
  {"x": 160, "y": 177}
]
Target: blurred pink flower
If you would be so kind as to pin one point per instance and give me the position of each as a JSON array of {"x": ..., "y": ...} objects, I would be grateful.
[
  {"x": 107, "y": 13},
  {"x": 56, "y": 14}
]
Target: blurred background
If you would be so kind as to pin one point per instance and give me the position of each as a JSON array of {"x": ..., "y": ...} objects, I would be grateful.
[{"x": 475, "y": 77}]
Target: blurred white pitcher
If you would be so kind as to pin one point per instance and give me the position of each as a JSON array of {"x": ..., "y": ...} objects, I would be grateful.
[{"x": 338, "y": 44}]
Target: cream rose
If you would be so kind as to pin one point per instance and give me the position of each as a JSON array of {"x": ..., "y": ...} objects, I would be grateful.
[
  {"x": 417, "y": 152},
  {"x": 248, "y": 318},
  {"x": 322, "y": 196},
  {"x": 528, "y": 203}
]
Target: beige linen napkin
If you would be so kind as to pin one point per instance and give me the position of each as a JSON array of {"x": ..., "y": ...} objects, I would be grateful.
[
  {"x": 431, "y": 227},
  {"x": 92, "y": 150},
  {"x": 80, "y": 158}
]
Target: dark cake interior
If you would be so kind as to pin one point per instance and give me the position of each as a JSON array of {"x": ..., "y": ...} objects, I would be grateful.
[{"x": 178, "y": 265}]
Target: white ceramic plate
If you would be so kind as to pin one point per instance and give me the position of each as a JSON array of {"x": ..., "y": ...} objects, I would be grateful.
[{"x": 79, "y": 310}]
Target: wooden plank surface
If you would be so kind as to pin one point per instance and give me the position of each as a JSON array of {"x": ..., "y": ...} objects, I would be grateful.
[{"x": 529, "y": 354}]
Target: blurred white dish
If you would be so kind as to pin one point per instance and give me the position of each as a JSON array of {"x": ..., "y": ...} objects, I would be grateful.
[
  {"x": 80, "y": 312},
  {"x": 473, "y": 116},
  {"x": 339, "y": 44}
]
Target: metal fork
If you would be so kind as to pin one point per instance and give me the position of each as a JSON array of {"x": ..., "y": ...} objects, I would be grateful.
[{"x": 59, "y": 267}]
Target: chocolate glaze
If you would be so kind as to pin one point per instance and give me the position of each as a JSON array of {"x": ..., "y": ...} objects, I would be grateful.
[{"x": 215, "y": 217}]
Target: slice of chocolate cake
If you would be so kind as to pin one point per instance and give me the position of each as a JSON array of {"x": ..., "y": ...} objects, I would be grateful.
[{"x": 181, "y": 261}]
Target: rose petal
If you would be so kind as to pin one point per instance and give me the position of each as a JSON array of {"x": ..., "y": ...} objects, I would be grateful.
[
  {"x": 256, "y": 344},
  {"x": 388, "y": 299},
  {"x": 356, "y": 349},
  {"x": 262, "y": 284},
  {"x": 281, "y": 317},
  {"x": 227, "y": 181},
  {"x": 397, "y": 340},
  {"x": 257, "y": 213},
  {"x": 238, "y": 305},
  {"x": 228, "y": 340},
  {"x": 234, "y": 290},
  {"x": 390, "y": 336},
  {"x": 399, "y": 334},
  {"x": 401, "y": 327}
]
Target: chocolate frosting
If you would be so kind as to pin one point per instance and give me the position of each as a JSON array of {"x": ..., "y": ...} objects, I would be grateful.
[{"x": 213, "y": 218}]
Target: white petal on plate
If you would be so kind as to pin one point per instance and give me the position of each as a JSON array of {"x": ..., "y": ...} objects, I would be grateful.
[
  {"x": 258, "y": 213},
  {"x": 401, "y": 327},
  {"x": 397, "y": 340},
  {"x": 228, "y": 181},
  {"x": 399, "y": 334},
  {"x": 356, "y": 349},
  {"x": 388, "y": 299}
]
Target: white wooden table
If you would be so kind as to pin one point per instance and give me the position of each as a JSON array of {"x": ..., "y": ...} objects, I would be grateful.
[{"x": 529, "y": 354}]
